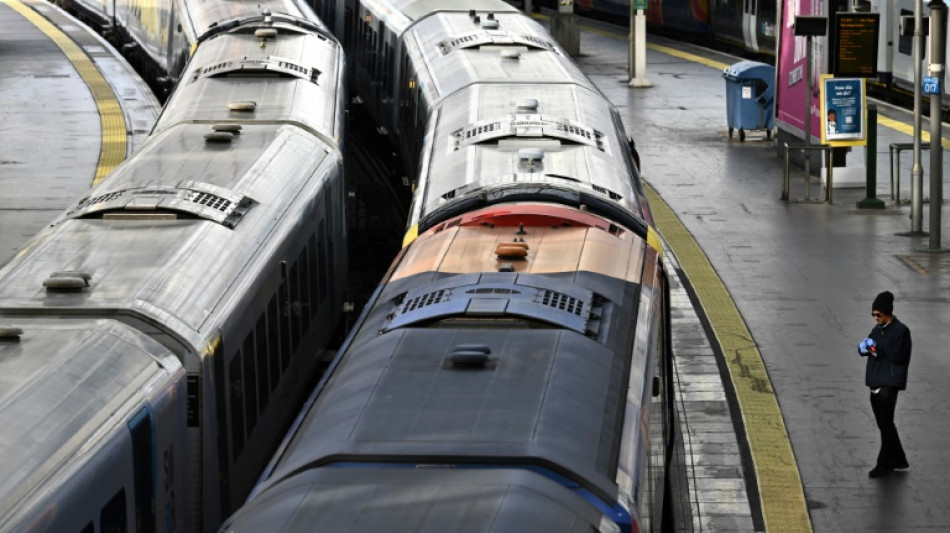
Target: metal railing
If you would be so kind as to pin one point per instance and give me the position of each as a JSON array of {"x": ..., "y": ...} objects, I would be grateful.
[
  {"x": 896, "y": 149},
  {"x": 827, "y": 149}
]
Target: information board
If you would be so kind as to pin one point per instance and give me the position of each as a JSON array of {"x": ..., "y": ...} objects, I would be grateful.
[
  {"x": 855, "y": 49},
  {"x": 843, "y": 109}
]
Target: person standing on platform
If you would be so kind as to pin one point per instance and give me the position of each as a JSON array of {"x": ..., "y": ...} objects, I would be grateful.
[{"x": 887, "y": 349}]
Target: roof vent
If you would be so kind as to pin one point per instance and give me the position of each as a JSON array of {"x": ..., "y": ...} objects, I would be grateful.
[
  {"x": 490, "y": 24},
  {"x": 67, "y": 280},
  {"x": 511, "y": 55},
  {"x": 528, "y": 104},
  {"x": 531, "y": 155},
  {"x": 10, "y": 333},
  {"x": 245, "y": 107},
  {"x": 511, "y": 250},
  {"x": 220, "y": 137},
  {"x": 265, "y": 33},
  {"x": 233, "y": 128},
  {"x": 470, "y": 356}
]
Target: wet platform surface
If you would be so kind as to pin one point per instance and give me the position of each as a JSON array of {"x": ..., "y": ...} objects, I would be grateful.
[
  {"x": 802, "y": 277},
  {"x": 52, "y": 130}
]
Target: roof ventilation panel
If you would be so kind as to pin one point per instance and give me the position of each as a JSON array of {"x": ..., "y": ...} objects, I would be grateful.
[
  {"x": 490, "y": 25},
  {"x": 528, "y": 105},
  {"x": 67, "y": 280},
  {"x": 511, "y": 55},
  {"x": 265, "y": 33},
  {"x": 242, "y": 106},
  {"x": 531, "y": 155},
  {"x": 10, "y": 333}
]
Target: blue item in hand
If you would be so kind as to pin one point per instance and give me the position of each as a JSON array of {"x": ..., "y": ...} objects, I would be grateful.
[{"x": 863, "y": 347}]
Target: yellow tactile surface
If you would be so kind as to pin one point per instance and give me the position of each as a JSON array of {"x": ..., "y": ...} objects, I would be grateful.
[{"x": 111, "y": 117}]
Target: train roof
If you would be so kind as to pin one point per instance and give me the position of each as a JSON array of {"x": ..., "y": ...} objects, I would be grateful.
[
  {"x": 517, "y": 136},
  {"x": 175, "y": 231},
  {"x": 459, "y": 50},
  {"x": 246, "y": 77},
  {"x": 374, "y": 500},
  {"x": 543, "y": 396},
  {"x": 63, "y": 381},
  {"x": 411, "y": 10},
  {"x": 203, "y": 16}
]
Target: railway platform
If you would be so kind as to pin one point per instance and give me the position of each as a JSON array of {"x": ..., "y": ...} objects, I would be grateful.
[
  {"x": 776, "y": 296},
  {"x": 72, "y": 109}
]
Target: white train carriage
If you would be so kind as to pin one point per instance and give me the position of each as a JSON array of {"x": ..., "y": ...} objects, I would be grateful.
[
  {"x": 482, "y": 99},
  {"x": 93, "y": 413},
  {"x": 223, "y": 239}
]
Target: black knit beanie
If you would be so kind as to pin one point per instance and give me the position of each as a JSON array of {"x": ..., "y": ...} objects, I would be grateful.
[{"x": 884, "y": 303}]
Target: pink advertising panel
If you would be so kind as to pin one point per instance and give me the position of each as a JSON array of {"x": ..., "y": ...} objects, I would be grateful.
[{"x": 790, "y": 68}]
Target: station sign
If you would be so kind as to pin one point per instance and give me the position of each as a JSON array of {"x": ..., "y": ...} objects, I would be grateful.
[{"x": 931, "y": 85}]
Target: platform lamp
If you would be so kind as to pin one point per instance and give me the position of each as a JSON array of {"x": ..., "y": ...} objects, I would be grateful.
[{"x": 809, "y": 26}]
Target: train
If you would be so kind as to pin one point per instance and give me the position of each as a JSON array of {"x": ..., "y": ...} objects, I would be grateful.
[
  {"x": 513, "y": 369},
  {"x": 156, "y": 335}
]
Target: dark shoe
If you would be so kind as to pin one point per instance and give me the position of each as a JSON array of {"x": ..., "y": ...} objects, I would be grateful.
[
  {"x": 901, "y": 465},
  {"x": 879, "y": 471}
]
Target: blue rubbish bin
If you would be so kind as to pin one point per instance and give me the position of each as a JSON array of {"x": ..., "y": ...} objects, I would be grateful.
[{"x": 750, "y": 98}]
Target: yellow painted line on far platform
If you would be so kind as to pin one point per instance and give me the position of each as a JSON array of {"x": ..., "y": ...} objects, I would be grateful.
[
  {"x": 781, "y": 492},
  {"x": 111, "y": 117}
]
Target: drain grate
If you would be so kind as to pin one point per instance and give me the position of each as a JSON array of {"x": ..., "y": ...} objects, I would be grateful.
[{"x": 927, "y": 263}]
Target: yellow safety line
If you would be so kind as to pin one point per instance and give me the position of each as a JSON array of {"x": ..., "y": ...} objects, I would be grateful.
[
  {"x": 113, "y": 149},
  {"x": 908, "y": 129},
  {"x": 781, "y": 493}
]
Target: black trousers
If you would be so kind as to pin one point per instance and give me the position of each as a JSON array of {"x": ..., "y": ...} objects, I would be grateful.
[{"x": 883, "y": 404}]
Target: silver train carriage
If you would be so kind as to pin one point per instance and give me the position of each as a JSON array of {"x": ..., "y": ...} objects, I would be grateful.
[
  {"x": 158, "y": 36},
  {"x": 486, "y": 105},
  {"x": 512, "y": 373},
  {"x": 94, "y": 420},
  {"x": 223, "y": 240}
]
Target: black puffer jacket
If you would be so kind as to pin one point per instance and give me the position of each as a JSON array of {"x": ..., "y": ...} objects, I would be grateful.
[{"x": 889, "y": 368}]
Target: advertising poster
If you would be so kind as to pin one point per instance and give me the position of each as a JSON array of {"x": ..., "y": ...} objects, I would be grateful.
[
  {"x": 842, "y": 111},
  {"x": 791, "y": 85}
]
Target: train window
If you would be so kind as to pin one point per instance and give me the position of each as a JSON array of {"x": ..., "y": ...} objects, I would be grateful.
[
  {"x": 237, "y": 407},
  {"x": 322, "y": 259},
  {"x": 386, "y": 67},
  {"x": 348, "y": 33},
  {"x": 143, "y": 464},
  {"x": 263, "y": 384},
  {"x": 285, "y": 345},
  {"x": 250, "y": 383},
  {"x": 294, "y": 307},
  {"x": 303, "y": 271},
  {"x": 112, "y": 518},
  {"x": 273, "y": 341},
  {"x": 315, "y": 272}
]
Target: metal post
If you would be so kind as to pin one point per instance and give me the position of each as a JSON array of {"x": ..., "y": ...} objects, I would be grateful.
[
  {"x": 527, "y": 7},
  {"x": 808, "y": 115},
  {"x": 565, "y": 28},
  {"x": 917, "y": 172},
  {"x": 637, "y": 56},
  {"x": 871, "y": 200},
  {"x": 937, "y": 53}
]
